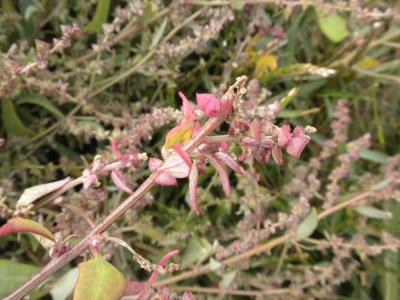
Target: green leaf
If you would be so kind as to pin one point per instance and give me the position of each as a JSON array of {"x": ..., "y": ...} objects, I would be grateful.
[
  {"x": 333, "y": 27},
  {"x": 158, "y": 35},
  {"x": 309, "y": 224},
  {"x": 227, "y": 279},
  {"x": 100, "y": 16},
  {"x": 40, "y": 101},
  {"x": 13, "y": 275},
  {"x": 197, "y": 251},
  {"x": 11, "y": 122},
  {"x": 374, "y": 213},
  {"x": 99, "y": 280},
  {"x": 374, "y": 156},
  {"x": 65, "y": 285}
]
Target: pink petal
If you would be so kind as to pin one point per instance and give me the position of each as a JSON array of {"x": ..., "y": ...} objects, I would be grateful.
[
  {"x": 284, "y": 135},
  {"x": 176, "y": 166},
  {"x": 193, "y": 181},
  {"x": 297, "y": 145},
  {"x": 255, "y": 129},
  {"x": 277, "y": 155},
  {"x": 230, "y": 162},
  {"x": 223, "y": 175},
  {"x": 209, "y": 104},
  {"x": 188, "y": 109},
  {"x": 183, "y": 154},
  {"x": 155, "y": 164},
  {"x": 119, "y": 181},
  {"x": 166, "y": 179}
]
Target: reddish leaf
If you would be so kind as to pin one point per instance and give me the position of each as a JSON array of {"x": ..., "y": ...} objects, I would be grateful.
[
  {"x": 21, "y": 225},
  {"x": 223, "y": 175},
  {"x": 155, "y": 164},
  {"x": 277, "y": 155},
  {"x": 163, "y": 263},
  {"x": 115, "y": 148},
  {"x": 209, "y": 104},
  {"x": 119, "y": 181},
  {"x": 193, "y": 181},
  {"x": 166, "y": 179},
  {"x": 176, "y": 166},
  {"x": 230, "y": 162},
  {"x": 183, "y": 154},
  {"x": 134, "y": 288},
  {"x": 284, "y": 135}
]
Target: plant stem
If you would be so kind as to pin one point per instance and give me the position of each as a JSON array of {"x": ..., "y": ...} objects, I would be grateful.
[{"x": 234, "y": 92}]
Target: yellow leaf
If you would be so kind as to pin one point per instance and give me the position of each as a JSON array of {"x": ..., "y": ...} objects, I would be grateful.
[
  {"x": 264, "y": 65},
  {"x": 368, "y": 63},
  {"x": 179, "y": 135}
]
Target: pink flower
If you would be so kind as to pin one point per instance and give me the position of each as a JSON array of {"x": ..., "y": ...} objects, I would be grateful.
[
  {"x": 209, "y": 104},
  {"x": 298, "y": 142}
]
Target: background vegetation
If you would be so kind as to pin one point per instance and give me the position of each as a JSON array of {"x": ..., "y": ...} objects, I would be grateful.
[{"x": 66, "y": 92}]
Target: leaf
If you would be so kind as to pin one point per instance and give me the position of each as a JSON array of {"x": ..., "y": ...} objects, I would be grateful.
[
  {"x": 40, "y": 101},
  {"x": 309, "y": 224},
  {"x": 197, "y": 251},
  {"x": 65, "y": 285},
  {"x": 368, "y": 63},
  {"x": 100, "y": 16},
  {"x": 31, "y": 194},
  {"x": 11, "y": 122},
  {"x": 374, "y": 213},
  {"x": 264, "y": 65},
  {"x": 21, "y": 225},
  {"x": 13, "y": 274},
  {"x": 375, "y": 156},
  {"x": 120, "y": 181},
  {"x": 99, "y": 280},
  {"x": 158, "y": 35},
  {"x": 333, "y": 27},
  {"x": 227, "y": 279}
]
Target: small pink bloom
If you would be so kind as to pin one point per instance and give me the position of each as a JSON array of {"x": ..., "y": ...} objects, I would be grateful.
[
  {"x": 298, "y": 142},
  {"x": 89, "y": 179},
  {"x": 209, "y": 104}
]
